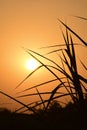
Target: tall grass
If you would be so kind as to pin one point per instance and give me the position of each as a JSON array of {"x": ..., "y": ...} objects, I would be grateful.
[{"x": 74, "y": 83}]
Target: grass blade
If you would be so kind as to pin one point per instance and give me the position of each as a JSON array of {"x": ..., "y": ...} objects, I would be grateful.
[
  {"x": 73, "y": 33},
  {"x": 41, "y": 98},
  {"x": 81, "y": 17},
  {"x": 38, "y": 85},
  {"x": 28, "y": 76},
  {"x": 29, "y": 108}
]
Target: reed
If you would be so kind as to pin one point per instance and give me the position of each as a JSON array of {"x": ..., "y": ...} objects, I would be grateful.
[{"x": 73, "y": 83}]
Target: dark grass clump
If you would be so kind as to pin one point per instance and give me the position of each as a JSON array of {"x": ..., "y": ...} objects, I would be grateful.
[
  {"x": 55, "y": 118},
  {"x": 74, "y": 83}
]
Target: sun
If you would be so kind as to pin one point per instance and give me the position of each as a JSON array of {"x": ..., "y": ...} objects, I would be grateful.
[{"x": 31, "y": 64}]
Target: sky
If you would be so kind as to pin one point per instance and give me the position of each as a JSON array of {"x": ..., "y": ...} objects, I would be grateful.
[{"x": 33, "y": 24}]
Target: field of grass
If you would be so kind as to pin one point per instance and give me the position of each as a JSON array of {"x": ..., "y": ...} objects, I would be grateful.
[{"x": 52, "y": 116}]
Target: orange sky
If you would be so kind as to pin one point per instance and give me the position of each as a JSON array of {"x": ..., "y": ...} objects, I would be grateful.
[{"x": 33, "y": 24}]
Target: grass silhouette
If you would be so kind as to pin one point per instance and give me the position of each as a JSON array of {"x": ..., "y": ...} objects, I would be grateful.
[{"x": 52, "y": 115}]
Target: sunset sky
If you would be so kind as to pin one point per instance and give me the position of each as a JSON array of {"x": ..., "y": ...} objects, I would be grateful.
[{"x": 33, "y": 24}]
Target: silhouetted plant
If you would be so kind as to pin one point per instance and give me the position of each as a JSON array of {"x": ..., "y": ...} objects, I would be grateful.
[
  {"x": 73, "y": 83},
  {"x": 71, "y": 80}
]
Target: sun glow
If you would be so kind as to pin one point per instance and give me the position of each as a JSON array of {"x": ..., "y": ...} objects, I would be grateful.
[{"x": 31, "y": 64}]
